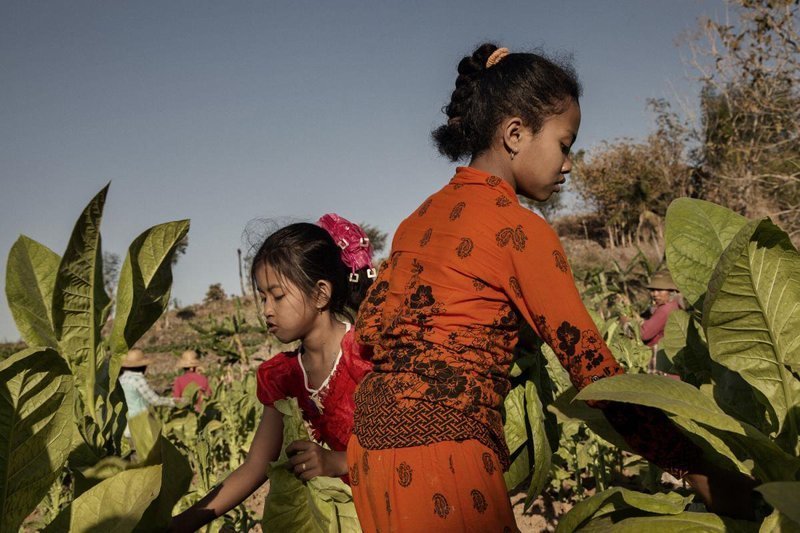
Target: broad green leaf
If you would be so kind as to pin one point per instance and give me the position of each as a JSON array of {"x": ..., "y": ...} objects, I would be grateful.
[
  {"x": 176, "y": 476},
  {"x": 30, "y": 277},
  {"x": 778, "y": 522},
  {"x": 145, "y": 431},
  {"x": 783, "y": 496},
  {"x": 321, "y": 505},
  {"x": 78, "y": 303},
  {"x": 619, "y": 498},
  {"x": 685, "y": 345},
  {"x": 36, "y": 390},
  {"x": 144, "y": 287},
  {"x": 696, "y": 234},
  {"x": 567, "y": 408},
  {"x": 683, "y": 523},
  {"x": 682, "y": 399},
  {"x": 737, "y": 398},
  {"x": 516, "y": 434},
  {"x": 542, "y": 454},
  {"x": 752, "y": 317},
  {"x": 714, "y": 448},
  {"x": 114, "y": 505}
]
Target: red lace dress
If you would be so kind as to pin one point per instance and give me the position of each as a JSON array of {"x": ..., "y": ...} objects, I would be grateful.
[{"x": 329, "y": 409}]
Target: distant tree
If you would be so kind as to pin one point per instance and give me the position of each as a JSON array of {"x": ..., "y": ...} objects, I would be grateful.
[
  {"x": 749, "y": 134},
  {"x": 111, "y": 266},
  {"x": 215, "y": 293},
  {"x": 180, "y": 249},
  {"x": 376, "y": 237},
  {"x": 631, "y": 183}
]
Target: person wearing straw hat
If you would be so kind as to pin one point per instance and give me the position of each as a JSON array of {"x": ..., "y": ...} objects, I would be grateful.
[
  {"x": 666, "y": 299},
  {"x": 190, "y": 363},
  {"x": 138, "y": 393}
]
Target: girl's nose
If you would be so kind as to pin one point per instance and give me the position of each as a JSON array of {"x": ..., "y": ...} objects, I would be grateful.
[{"x": 566, "y": 168}]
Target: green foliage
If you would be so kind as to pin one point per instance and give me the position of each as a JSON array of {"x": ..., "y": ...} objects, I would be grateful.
[
  {"x": 785, "y": 497},
  {"x": 320, "y": 505},
  {"x": 35, "y": 421},
  {"x": 144, "y": 287},
  {"x": 740, "y": 344},
  {"x": 30, "y": 278},
  {"x": 697, "y": 232},
  {"x": 752, "y": 322},
  {"x": 62, "y": 397},
  {"x": 618, "y": 499}
]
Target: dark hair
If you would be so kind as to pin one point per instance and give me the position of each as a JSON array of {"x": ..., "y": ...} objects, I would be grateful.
[
  {"x": 305, "y": 253},
  {"x": 527, "y": 85}
]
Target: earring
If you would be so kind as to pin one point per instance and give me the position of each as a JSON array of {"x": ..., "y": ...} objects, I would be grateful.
[{"x": 513, "y": 153}]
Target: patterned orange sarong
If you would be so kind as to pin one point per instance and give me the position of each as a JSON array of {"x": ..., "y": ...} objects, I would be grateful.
[{"x": 441, "y": 487}]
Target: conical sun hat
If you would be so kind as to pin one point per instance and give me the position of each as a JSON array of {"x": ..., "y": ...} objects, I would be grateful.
[
  {"x": 135, "y": 358},
  {"x": 189, "y": 359},
  {"x": 662, "y": 280}
]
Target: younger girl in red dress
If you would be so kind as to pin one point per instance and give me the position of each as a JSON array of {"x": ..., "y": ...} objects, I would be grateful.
[{"x": 307, "y": 277}]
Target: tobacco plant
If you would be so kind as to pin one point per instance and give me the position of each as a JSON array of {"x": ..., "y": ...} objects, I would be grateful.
[
  {"x": 60, "y": 404},
  {"x": 737, "y": 350}
]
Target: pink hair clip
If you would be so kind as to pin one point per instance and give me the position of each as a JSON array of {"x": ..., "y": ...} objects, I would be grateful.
[{"x": 356, "y": 249}]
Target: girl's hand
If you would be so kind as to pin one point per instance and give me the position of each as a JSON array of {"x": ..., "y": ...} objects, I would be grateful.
[{"x": 310, "y": 460}]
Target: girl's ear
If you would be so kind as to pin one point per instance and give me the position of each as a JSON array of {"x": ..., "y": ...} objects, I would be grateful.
[
  {"x": 323, "y": 293},
  {"x": 512, "y": 130}
]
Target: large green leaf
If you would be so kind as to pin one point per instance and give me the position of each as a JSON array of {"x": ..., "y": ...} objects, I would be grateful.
[
  {"x": 79, "y": 300},
  {"x": 684, "y": 400},
  {"x": 618, "y": 498},
  {"x": 688, "y": 522},
  {"x": 30, "y": 277},
  {"x": 685, "y": 345},
  {"x": 321, "y": 505},
  {"x": 696, "y": 234},
  {"x": 567, "y": 408},
  {"x": 114, "y": 505},
  {"x": 144, "y": 287},
  {"x": 783, "y": 496},
  {"x": 542, "y": 454},
  {"x": 516, "y": 434},
  {"x": 778, "y": 522},
  {"x": 752, "y": 317},
  {"x": 176, "y": 476},
  {"x": 35, "y": 429}
]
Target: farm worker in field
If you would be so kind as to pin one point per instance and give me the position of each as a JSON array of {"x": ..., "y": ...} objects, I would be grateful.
[
  {"x": 309, "y": 277},
  {"x": 466, "y": 268},
  {"x": 138, "y": 393},
  {"x": 190, "y": 363},
  {"x": 666, "y": 299}
]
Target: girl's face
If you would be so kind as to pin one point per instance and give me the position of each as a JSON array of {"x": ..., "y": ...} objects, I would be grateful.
[
  {"x": 289, "y": 313},
  {"x": 542, "y": 160}
]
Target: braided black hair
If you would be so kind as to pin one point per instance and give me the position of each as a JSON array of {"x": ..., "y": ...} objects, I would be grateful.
[{"x": 526, "y": 85}]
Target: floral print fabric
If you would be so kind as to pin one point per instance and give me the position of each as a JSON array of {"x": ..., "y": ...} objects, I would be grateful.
[{"x": 466, "y": 268}]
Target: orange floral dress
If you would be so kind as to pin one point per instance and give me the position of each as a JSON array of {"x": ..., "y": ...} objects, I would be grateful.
[{"x": 466, "y": 268}]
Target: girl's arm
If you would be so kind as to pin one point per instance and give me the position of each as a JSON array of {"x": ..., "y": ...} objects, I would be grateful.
[{"x": 243, "y": 481}]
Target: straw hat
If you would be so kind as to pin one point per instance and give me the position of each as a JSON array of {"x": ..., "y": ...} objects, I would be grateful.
[
  {"x": 662, "y": 281},
  {"x": 135, "y": 358},
  {"x": 189, "y": 359}
]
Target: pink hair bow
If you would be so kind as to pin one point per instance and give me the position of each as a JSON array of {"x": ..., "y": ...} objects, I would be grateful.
[{"x": 356, "y": 249}]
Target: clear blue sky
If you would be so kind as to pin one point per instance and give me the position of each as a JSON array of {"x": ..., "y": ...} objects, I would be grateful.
[{"x": 227, "y": 111}]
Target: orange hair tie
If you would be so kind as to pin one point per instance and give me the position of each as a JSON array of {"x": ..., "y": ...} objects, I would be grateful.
[{"x": 496, "y": 57}]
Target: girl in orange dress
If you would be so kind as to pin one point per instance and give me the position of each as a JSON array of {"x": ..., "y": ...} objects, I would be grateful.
[{"x": 466, "y": 268}]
